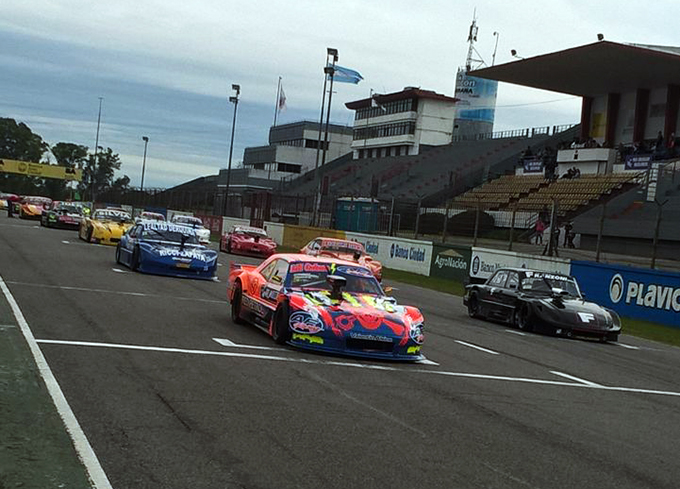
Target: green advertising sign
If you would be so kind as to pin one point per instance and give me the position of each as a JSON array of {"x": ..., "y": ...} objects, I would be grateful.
[{"x": 450, "y": 262}]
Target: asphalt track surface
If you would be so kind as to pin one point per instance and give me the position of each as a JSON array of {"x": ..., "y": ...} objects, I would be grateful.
[{"x": 187, "y": 411}]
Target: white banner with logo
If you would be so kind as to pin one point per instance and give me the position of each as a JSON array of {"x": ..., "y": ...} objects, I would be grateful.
[
  {"x": 486, "y": 261},
  {"x": 409, "y": 255}
]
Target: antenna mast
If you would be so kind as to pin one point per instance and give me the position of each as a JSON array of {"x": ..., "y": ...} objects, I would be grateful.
[{"x": 472, "y": 51}]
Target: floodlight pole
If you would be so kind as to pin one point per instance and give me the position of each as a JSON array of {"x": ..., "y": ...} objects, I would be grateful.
[
  {"x": 146, "y": 143},
  {"x": 234, "y": 100},
  {"x": 96, "y": 147}
]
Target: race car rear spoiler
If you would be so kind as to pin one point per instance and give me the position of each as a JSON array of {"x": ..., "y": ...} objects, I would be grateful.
[{"x": 239, "y": 266}]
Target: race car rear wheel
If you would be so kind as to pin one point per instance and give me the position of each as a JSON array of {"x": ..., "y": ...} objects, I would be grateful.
[
  {"x": 236, "y": 304},
  {"x": 473, "y": 305},
  {"x": 523, "y": 318},
  {"x": 281, "y": 330}
]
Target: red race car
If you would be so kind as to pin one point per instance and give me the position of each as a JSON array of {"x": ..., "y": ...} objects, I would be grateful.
[
  {"x": 325, "y": 304},
  {"x": 344, "y": 250},
  {"x": 246, "y": 240}
]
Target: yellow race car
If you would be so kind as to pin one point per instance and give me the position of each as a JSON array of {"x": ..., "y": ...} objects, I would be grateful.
[{"x": 105, "y": 226}]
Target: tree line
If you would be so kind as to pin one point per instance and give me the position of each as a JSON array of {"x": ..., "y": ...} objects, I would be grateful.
[{"x": 19, "y": 142}]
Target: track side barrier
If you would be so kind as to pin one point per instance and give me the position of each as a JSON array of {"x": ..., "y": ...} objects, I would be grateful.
[{"x": 650, "y": 295}]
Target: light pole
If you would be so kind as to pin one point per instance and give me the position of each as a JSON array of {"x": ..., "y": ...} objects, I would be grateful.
[
  {"x": 96, "y": 147},
  {"x": 146, "y": 143},
  {"x": 234, "y": 100}
]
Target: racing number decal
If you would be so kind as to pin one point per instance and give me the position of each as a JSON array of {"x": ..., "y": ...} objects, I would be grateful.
[{"x": 269, "y": 294}]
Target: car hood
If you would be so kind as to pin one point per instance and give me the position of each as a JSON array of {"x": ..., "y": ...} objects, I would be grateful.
[
  {"x": 355, "y": 314},
  {"x": 579, "y": 310},
  {"x": 113, "y": 226},
  {"x": 175, "y": 252}
]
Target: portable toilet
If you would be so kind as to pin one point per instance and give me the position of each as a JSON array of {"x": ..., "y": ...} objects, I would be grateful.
[{"x": 356, "y": 214}]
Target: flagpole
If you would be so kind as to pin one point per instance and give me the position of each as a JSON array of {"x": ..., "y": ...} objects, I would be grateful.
[
  {"x": 323, "y": 104},
  {"x": 276, "y": 104},
  {"x": 331, "y": 71}
]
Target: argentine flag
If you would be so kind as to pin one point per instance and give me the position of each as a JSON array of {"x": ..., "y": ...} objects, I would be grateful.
[{"x": 345, "y": 75}]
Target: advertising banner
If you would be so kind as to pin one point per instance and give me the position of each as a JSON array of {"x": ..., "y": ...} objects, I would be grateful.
[
  {"x": 651, "y": 295},
  {"x": 451, "y": 262},
  {"x": 40, "y": 170},
  {"x": 486, "y": 261},
  {"x": 637, "y": 162},
  {"x": 533, "y": 164},
  {"x": 298, "y": 236},
  {"x": 477, "y": 98},
  {"x": 409, "y": 255}
]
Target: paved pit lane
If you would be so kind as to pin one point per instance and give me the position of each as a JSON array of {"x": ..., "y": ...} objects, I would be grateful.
[{"x": 171, "y": 394}]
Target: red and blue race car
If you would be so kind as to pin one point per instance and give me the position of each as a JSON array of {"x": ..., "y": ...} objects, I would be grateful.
[
  {"x": 325, "y": 304},
  {"x": 247, "y": 240}
]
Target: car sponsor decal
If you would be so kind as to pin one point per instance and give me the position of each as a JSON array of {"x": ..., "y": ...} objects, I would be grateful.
[
  {"x": 308, "y": 338},
  {"x": 268, "y": 293},
  {"x": 371, "y": 337},
  {"x": 586, "y": 317},
  {"x": 168, "y": 226},
  {"x": 616, "y": 288},
  {"x": 331, "y": 244},
  {"x": 309, "y": 267},
  {"x": 356, "y": 271},
  {"x": 254, "y": 306},
  {"x": 413, "y": 350},
  {"x": 186, "y": 253},
  {"x": 304, "y": 322}
]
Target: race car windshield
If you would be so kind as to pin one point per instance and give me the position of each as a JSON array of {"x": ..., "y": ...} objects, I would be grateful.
[
  {"x": 342, "y": 248},
  {"x": 252, "y": 232},
  {"x": 188, "y": 220},
  {"x": 116, "y": 216},
  {"x": 541, "y": 284},
  {"x": 312, "y": 276},
  {"x": 69, "y": 209},
  {"x": 169, "y": 236}
]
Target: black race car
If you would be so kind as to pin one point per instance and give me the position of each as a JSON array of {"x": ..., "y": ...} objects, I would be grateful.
[
  {"x": 62, "y": 215},
  {"x": 540, "y": 301}
]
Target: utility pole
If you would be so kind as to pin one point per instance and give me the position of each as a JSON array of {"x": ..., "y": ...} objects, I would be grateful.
[{"x": 96, "y": 148}]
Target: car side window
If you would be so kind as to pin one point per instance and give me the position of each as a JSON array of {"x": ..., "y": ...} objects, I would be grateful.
[
  {"x": 498, "y": 280},
  {"x": 279, "y": 272},
  {"x": 266, "y": 272},
  {"x": 513, "y": 281},
  {"x": 133, "y": 232}
]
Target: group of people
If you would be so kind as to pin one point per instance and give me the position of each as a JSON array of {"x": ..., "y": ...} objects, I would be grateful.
[
  {"x": 572, "y": 172},
  {"x": 542, "y": 223}
]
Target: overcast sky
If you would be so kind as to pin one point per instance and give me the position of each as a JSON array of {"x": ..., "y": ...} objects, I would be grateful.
[{"x": 165, "y": 67}]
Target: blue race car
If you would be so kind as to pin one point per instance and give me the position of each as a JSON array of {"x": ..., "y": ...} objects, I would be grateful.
[{"x": 165, "y": 248}]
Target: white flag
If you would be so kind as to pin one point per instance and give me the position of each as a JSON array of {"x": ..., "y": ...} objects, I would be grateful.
[{"x": 282, "y": 100}]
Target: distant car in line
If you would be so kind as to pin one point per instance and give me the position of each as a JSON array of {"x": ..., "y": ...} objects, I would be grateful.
[
  {"x": 325, "y": 304},
  {"x": 62, "y": 215},
  {"x": 105, "y": 226},
  {"x": 533, "y": 300},
  {"x": 343, "y": 249},
  {"x": 150, "y": 216},
  {"x": 247, "y": 240},
  {"x": 32, "y": 207},
  {"x": 165, "y": 248},
  {"x": 202, "y": 232}
]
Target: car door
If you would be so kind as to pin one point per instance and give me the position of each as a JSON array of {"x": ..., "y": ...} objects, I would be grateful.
[
  {"x": 128, "y": 242},
  {"x": 507, "y": 296},
  {"x": 492, "y": 301}
]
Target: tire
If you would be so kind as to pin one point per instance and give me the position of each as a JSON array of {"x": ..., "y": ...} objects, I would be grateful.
[
  {"x": 118, "y": 255},
  {"x": 523, "y": 319},
  {"x": 281, "y": 331},
  {"x": 473, "y": 305},
  {"x": 134, "y": 262},
  {"x": 88, "y": 238},
  {"x": 229, "y": 246},
  {"x": 236, "y": 304}
]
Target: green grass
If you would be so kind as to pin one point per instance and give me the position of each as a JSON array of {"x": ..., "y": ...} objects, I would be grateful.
[
  {"x": 434, "y": 283},
  {"x": 651, "y": 331}
]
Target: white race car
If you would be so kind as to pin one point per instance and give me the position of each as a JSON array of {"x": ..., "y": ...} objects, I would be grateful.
[{"x": 202, "y": 233}]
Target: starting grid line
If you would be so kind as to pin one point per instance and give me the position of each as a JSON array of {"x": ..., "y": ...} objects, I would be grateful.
[{"x": 578, "y": 383}]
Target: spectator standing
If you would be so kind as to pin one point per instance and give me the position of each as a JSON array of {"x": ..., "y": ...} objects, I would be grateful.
[{"x": 540, "y": 227}]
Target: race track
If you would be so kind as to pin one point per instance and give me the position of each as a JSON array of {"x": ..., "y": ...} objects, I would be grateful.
[{"x": 165, "y": 405}]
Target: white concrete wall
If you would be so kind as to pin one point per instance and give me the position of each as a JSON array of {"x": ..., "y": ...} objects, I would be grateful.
[
  {"x": 655, "y": 124},
  {"x": 435, "y": 122},
  {"x": 626, "y": 119}
]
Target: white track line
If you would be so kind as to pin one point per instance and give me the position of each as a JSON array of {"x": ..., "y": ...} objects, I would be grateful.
[
  {"x": 362, "y": 365},
  {"x": 81, "y": 444},
  {"x": 231, "y": 344},
  {"x": 576, "y": 379},
  {"x": 515, "y": 332},
  {"x": 470, "y": 345},
  {"x": 118, "y": 292},
  {"x": 630, "y": 347}
]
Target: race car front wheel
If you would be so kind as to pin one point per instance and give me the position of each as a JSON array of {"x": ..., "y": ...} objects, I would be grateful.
[
  {"x": 89, "y": 234},
  {"x": 236, "y": 304},
  {"x": 523, "y": 318},
  {"x": 280, "y": 329}
]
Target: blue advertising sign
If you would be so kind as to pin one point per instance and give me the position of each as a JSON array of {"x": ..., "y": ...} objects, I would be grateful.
[
  {"x": 637, "y": 162},
  {"x": 652, "y": 295},
  {"x": 476, "y": 98},
  {"x": 533, "y": 164}
]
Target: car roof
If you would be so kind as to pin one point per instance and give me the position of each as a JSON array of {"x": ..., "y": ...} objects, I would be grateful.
[
  {"x": 534, "y": 270},
  {"x": 299, "y": 257}
]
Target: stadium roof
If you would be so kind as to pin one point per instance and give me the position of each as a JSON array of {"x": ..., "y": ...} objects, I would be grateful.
[
  {"x": 406, "y": 93},
  {"x": 593, "y": 69}
]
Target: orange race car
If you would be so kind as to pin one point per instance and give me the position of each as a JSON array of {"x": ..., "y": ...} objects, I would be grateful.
[
  {"x": 32, "y": 207},
  {"x": 343, "y": 249},
  {"x": 325, "y": 304}
]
